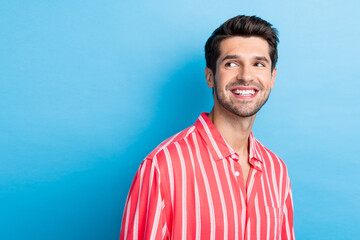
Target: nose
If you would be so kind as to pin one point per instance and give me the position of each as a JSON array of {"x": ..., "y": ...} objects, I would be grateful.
[{"x": 245, "y": 73}]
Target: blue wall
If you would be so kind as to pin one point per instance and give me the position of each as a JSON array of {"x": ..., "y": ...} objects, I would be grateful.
[{"x": 89, "y": 88}]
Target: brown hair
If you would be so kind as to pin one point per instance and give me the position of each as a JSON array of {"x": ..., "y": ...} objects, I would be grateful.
[{"x": 245, "y": 26}]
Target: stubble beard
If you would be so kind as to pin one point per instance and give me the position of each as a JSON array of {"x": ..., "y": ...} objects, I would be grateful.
[{"x": 240, "y": 111}]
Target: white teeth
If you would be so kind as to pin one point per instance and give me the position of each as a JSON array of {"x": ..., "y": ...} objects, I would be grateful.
[{"x": 244, "y": 92}]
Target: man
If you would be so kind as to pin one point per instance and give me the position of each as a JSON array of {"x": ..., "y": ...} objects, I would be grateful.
[{"x": 214, "y": 180}]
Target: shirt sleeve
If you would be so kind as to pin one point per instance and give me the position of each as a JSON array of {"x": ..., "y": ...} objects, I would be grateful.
[
  {"x": 144, "y": 215},
  {"x": 287, "y": 231}
]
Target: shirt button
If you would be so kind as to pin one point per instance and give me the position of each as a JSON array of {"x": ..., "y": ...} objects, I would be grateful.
[{"x": 237, "y": 173}]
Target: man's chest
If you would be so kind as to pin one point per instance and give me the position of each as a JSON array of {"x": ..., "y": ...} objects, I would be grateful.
[{"x": 214, "y": 201}]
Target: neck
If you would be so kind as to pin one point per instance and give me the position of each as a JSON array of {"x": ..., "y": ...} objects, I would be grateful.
[{"x": 234, "y": 129}]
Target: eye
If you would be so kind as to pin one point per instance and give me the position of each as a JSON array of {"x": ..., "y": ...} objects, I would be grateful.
[
  {"x": 231, "y": 64},
  {"x": 259, "y": 64}
]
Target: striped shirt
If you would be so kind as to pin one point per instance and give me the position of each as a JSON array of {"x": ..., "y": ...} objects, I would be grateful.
[{"x": 191, "y": 187}]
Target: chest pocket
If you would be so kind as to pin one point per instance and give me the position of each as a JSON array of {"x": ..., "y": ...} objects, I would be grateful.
[{"x": 274, "y": 215}]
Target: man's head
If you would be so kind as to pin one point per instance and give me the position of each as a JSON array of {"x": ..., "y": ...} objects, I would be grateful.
[
  {"x": 245, "y": 26},
  {"x": 241, "y": 56}
]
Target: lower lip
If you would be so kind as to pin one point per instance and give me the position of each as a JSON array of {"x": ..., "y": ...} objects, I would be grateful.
[{"x": 245, "y": 97}]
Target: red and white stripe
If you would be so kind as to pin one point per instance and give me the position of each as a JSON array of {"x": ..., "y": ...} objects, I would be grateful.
[{"x": 191, "y": 187}]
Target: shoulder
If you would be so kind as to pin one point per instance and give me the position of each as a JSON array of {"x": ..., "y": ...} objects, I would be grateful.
[{"x": 168, "y": 147}]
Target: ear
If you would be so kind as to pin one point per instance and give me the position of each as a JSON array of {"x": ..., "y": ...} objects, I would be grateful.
[
  {"x": 209, "y": 77},
  {"x": 273, "y": 76}
]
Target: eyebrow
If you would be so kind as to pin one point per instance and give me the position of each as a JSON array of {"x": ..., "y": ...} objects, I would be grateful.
[
  {"x": 230, "y": 57},
  {"x": 260, "y": 58},
  {"x": 265, "y": 59}
]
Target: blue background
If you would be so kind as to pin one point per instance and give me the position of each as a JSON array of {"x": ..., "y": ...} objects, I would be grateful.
[{"x": 89, "y": 88}]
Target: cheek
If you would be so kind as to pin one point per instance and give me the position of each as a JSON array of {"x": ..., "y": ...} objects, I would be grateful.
[
  {"x": 267, "y": 81},
  {"x": 223, "y": 79}
]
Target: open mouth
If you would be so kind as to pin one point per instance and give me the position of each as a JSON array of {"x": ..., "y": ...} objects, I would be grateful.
[{"x": 244, "y": 93}]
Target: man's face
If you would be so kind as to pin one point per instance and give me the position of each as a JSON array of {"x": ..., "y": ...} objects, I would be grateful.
[{"x": 243, "y": 78}]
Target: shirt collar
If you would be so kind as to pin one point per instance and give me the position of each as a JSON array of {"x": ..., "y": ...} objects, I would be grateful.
[{"x": 217, "y": 145}]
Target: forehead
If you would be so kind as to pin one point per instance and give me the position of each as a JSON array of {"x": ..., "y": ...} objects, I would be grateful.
[{"x": 244, "y": 46}]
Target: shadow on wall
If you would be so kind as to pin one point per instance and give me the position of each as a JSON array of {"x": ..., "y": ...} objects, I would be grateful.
[{"x": 181, "y": 99}]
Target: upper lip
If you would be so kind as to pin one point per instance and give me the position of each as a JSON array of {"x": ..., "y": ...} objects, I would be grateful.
[{"x": 244, "y": 88}]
